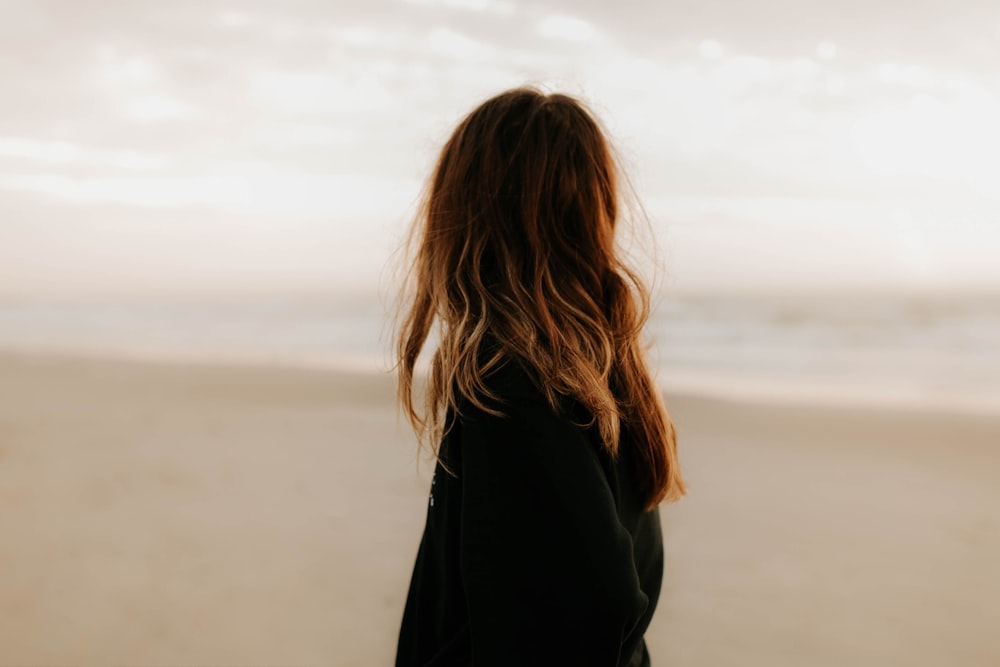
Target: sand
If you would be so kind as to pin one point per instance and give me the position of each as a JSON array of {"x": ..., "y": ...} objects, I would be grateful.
[{"x": 185, "y": 514}]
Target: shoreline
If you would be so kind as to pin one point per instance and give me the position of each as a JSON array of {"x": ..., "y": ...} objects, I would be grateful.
[{"x": 722, "y": 388}]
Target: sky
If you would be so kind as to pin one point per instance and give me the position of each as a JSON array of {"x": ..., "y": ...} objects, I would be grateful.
[{"x": 265, "y": 146}]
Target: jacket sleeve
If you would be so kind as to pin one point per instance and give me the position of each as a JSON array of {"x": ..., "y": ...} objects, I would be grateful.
[{"x": 547, "y": 567}]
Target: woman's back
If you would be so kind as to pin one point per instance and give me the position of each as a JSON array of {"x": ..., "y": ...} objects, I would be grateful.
[{"x": 539, "y": 549}]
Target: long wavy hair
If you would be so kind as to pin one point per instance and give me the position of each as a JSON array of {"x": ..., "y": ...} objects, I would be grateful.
[{"x": 514, "y": 242}]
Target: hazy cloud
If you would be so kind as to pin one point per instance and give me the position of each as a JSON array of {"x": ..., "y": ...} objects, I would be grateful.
[{"x": 733, "y": 116}]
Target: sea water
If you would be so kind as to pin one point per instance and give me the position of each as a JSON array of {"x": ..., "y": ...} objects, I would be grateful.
[{"x": 903, "y": 351}]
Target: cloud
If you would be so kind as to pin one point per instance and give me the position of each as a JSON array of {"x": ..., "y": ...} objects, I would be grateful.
[
  {"x": 317, "y": 93},
  {"x": 157, "y": 108},
  {"x": 62, "y": 152},
  {"x": 115, "y": 69},
  {"x": 334, "y": 110},
  {"x": 963, "y": 33},
  {"x": 709, "y": 49},
  {"x": 492, "y": 6},
  {"x": 444, "y": 41},
  {"x": 249, "y": 189},
  {"x": 566, "y": 27}
]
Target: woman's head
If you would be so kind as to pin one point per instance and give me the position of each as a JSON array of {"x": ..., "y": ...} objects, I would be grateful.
[
  {"x": 515, "y": 244},
  {"x": 524, "y": 191}
]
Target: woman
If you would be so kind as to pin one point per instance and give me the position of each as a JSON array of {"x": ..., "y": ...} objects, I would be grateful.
[{"x": 542, "y": 542}]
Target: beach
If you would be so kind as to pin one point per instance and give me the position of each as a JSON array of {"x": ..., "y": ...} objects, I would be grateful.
[{"x": 181, "y": 513}]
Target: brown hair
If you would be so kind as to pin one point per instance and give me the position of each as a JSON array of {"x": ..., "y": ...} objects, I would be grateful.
[{"x": 515, "y": 243}]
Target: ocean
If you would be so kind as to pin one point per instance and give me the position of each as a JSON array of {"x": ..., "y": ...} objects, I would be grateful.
[{"x": 937, "y": 352}]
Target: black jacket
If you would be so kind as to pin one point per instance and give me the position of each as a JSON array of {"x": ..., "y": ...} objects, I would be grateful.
[{"x": 539, "y": 553}]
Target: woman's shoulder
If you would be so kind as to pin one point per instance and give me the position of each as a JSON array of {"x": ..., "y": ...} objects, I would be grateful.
[
  {"x": 512, "y": 376},
  {"x": 512, "y": 386},
  {"x": 504, "y": 383}
]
